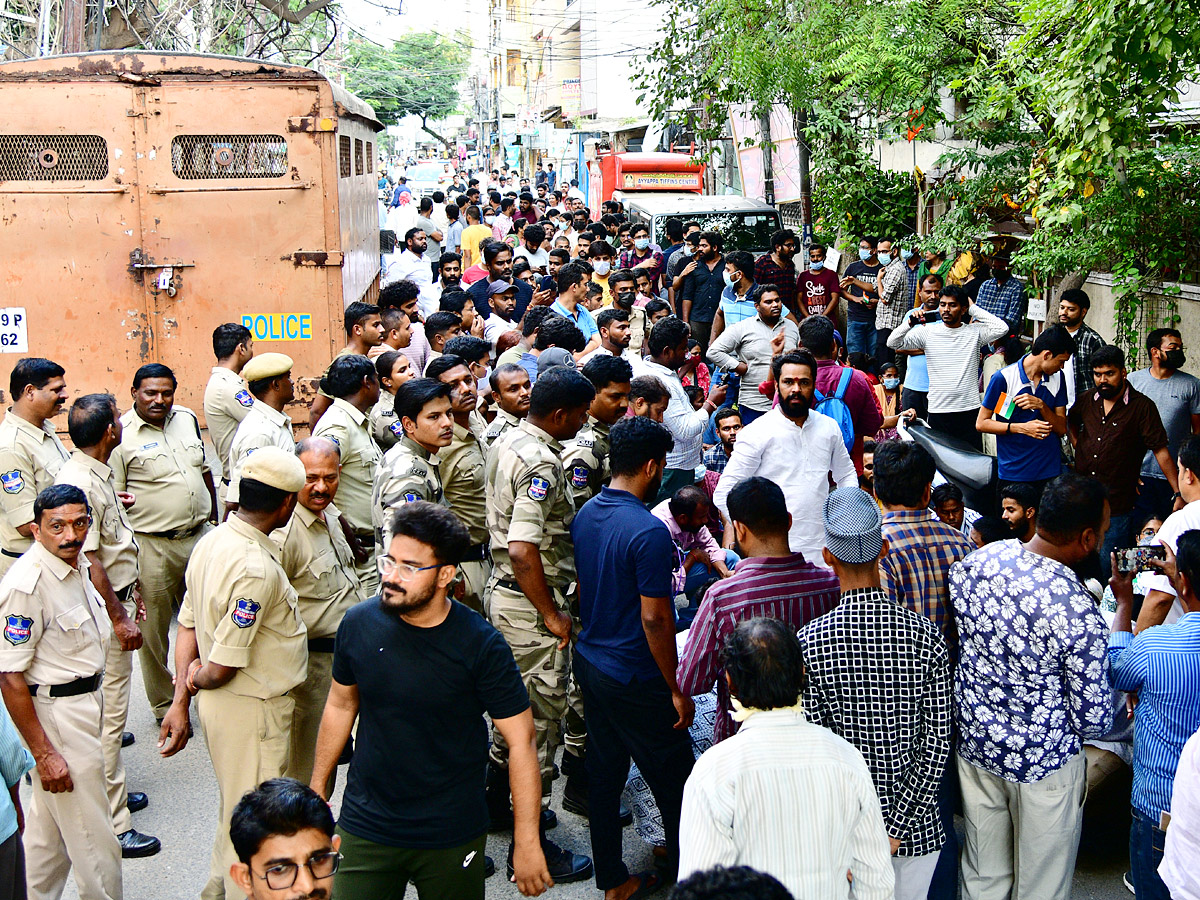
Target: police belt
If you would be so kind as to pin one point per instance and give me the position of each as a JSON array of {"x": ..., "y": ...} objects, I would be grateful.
[
  {"x": 509, "y": 585},
  {"x": 321, "y": 645},
  {"x": 71, "y": 688},
  {"x": 178, "y": 534},
  {"x": 10, "y": 554},
  {"x": 478, "y": 553}
]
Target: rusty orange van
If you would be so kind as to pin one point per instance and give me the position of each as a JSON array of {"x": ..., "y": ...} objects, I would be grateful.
[{"x": 146, "y": 198}]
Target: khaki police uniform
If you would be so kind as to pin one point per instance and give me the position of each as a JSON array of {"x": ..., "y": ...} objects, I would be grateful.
[
  {"x": 465, "y": 489},
  {"x": 408, "y": 472},
  {"x": 55, "y": 632},
  {"x": 111, "y": 539},
  {"x": 587, "y": 469},
  {"x": 317, "y": 559},
  {"x": 226, "y": 403},
  {"x": 164, "y": 469},
  {"x": 246, "y": 616},
  {"x": 383, "y": 422},
  {"x": 262, "y": 427},
  {"x": 528, "y": 499},
  {"x": 30, "y": 457},
  {"x": 499, "y": 426},
  {"x": 348, "y": 427}
]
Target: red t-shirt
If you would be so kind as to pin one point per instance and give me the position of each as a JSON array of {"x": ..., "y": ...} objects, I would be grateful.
[{"x": 816, "y": 289}]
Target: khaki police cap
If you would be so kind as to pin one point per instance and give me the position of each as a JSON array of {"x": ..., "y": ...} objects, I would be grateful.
[
  {"x": 275, "y": 468},
  {"x": 267, "y": 365}
]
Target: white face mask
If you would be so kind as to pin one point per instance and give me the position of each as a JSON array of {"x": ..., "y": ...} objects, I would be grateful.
[
  {"x": 601, "y": 267},
  {"x": 687, "y": 250}
]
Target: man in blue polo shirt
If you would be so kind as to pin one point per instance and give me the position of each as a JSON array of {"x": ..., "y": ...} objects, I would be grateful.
[
  {"x": 625, "y": 657},
  {"x": 572, "y": 283},
  {"x": 1025, "y": 407}
]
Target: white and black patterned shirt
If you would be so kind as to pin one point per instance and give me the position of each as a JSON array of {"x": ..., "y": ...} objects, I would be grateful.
[{"x": 879, "y": 676}]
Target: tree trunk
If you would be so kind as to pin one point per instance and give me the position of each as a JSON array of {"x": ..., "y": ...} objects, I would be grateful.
[{"x": 425, "y": 127}]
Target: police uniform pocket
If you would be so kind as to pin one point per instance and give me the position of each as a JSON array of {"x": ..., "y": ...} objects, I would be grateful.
[
  {"x": 195, "y": 455},
  {"x": 71, "y": 623},
  {"x": 322, "y": 569},
  {"x": 155, "y": 461}
]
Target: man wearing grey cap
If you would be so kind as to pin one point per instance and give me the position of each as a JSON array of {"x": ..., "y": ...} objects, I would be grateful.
[
  {"x": 242, "y": 645},
  {"x": 879, "y": 676}
]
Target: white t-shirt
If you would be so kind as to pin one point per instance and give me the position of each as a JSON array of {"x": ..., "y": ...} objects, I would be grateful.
[
  {"x": 494, "y": 326},
  {"x": 539, "y": 260},
  {"x": 1176, "y": 524}
]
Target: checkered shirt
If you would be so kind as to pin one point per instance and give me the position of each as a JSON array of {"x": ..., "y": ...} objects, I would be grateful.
[
  {"x": 1088, "y": 341},
  {"x": 894, "y": 290},
  {"x": 879, "y": 676},
  {"x": 916, "y": 570}
]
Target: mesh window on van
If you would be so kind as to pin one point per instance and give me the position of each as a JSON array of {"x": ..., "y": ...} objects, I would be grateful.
[
  {"x": 200, "y": 156},
  {"x": 358, "y": 157},
  {"x": 344, "y": 169},
  {"x": 53, "y": 157}
]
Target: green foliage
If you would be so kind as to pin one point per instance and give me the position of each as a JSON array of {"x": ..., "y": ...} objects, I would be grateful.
[
  {"x": 418, "y": 75},
  {"x": 858, "y": 200}
]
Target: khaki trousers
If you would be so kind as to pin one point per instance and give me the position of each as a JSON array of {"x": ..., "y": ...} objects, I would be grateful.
[
  {"x": 73, "y": 829},
  {"x": 544, "y": 670},
  {"x": 1022, "y": 839},
  {"x": 118, "y": 672},
  {"x": 475, "y": 575},
  {"x": 309, "y": 696},
  {"x": 247, "y": 741},
  {"x": 162, "y": 562}
]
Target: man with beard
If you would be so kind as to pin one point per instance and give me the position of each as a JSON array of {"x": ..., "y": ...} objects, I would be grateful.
[
  {"x": 1018, "y": 507},
  {"x": 30, "y": 452},
  {"x": 510, "y": 387},
  {"x": 1112, "y": 428},
  {"x": 613, "y": 324},
  {"x": 461, "y": 468},
  {"x": 795, "y": 447},
  {"x": 498, "y": 258},
  {"x": 1177, "y": 396},
  {"x": 1073, "y": 308},
  {"x": 449, "y": 273},
  {"x": 747, "y": 347},
  {"x": 411, "y": 265},
  {"x": 414, "y": 808},
  {"x": 779, "y": 268}
]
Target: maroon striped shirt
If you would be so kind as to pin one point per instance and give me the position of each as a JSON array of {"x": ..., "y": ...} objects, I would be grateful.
[{"x": 783, "y": 587}]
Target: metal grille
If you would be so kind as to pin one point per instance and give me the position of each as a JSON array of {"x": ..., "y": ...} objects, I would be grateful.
[
  {"x": 53, "y": 157},
  {"x": 371, "y": 157},
  {"x": 344, "y": 157},
  {"x": 198, "y": 156},
  {"x": 358, "y": 157}
]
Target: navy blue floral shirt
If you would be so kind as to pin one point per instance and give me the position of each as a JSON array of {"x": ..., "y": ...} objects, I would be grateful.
[{"x": 1032, "y": 681}]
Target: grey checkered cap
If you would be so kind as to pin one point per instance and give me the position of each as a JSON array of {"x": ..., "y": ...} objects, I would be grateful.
[{"x": 853, "y": 525}]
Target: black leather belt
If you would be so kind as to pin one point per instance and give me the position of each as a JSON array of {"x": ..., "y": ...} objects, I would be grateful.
[
  {"x": 478, "y": 553},
  {"x": 10, "y": 554},
  {"x": 176, "y": 535},
  {"x": 72, "y": 688},
  {"x": 509, "y": 585},
  {"x": 125, "y": 593},
  {"x": 320, "y": 645}
]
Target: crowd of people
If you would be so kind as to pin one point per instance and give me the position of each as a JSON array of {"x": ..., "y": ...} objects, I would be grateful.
[{"x": 573, "y": 505}]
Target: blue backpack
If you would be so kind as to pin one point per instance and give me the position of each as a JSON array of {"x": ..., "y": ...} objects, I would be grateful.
[{"x": 835, "y": 407}]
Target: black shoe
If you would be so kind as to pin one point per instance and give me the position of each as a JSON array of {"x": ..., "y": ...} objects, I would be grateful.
[
  {"x": 564, "y": 865},
  {"x": 549, "y": 819},
  {"x": 136, "y": 801},
  {"x": 575, "y": 799},
  {"x": 127, "y": 739},
  {"x": 135, "y": 845},
  {"x": 489, "y": 867}
]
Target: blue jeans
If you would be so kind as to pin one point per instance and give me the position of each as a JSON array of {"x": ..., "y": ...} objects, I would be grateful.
[
  {"x": 1145, "y": 853},
  {"x": 860, "y": 337},
  {"x": 697, "y": 574}
]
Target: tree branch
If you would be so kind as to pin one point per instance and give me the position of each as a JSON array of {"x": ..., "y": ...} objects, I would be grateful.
[
  {"x": 425, "y": 127},
  {"x": 281, "y": 9}
]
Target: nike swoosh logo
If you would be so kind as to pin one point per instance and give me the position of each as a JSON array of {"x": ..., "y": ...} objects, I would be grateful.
[{"x": 470, "y": 856}]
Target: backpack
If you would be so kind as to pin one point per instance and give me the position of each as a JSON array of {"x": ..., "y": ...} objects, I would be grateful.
[{"x": 835, "y": 407}]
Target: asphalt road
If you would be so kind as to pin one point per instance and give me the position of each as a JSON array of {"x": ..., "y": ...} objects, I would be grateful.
[{"x": 183, "y": 813}]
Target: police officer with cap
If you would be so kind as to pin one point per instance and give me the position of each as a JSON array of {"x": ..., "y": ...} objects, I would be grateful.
[
  {"x": 242, "y": 646},
  {"x": 269, "y": 376},
  {"x": 30, "y": 452},
  {"x": 318, "y": 562},
  {"x": 354, "y": 386},
  {"x": 410, "y": 470},
  {"x": 55, "y": 635},
  {"x": 226, "y": 400}
]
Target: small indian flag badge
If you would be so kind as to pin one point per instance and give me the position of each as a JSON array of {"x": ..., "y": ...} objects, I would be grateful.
[{"x": 1007, "y": 406}]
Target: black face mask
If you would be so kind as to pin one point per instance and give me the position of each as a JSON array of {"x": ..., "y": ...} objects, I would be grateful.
[
  {"x": 625, "y": 298},
  {"x": 1174, "y": 359}
]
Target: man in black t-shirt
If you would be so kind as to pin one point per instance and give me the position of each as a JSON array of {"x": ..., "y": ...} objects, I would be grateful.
[
  {"x": 419, "y": 671},
  {"x": 860, "y": 285}
]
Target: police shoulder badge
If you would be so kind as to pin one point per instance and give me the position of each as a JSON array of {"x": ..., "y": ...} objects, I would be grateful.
[
  {"x": 410, "y": 497},
  {"x": 538, "y": 488},
  {"x": 579, "y": 476},
  {"x": 244, "y": 398},
  {"x": 12, "y": 481},
  {"x": 245, "y": 612},
  {"x": 397, "y": 429},
  {"x": 17, "y": 629}
]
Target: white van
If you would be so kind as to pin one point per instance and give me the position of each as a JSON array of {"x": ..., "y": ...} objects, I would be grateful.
[{"x": 745, "y": 224}]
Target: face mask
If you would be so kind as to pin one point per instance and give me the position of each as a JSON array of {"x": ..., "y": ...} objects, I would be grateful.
[
  {"x": 885, "y": 258},
  {"x": 561, "y": 225},
  {"x": 601, "y": 267},
  {"x": 687, "y": 250},
  {"x": 817, "y": 266},
  {"x": 891, "y": 383},
  {"x": 906, "y": 254},
  {"x": 730, "y": 281},
  {"x": 625, "y": 298},
  {"x": 864, "y": 255},
  {"x": 641, "y": 243},
  {"x": 487, "y": 373},
  {"x": 1174, "y": 359},
  {"x": 489, "y": 220}
]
